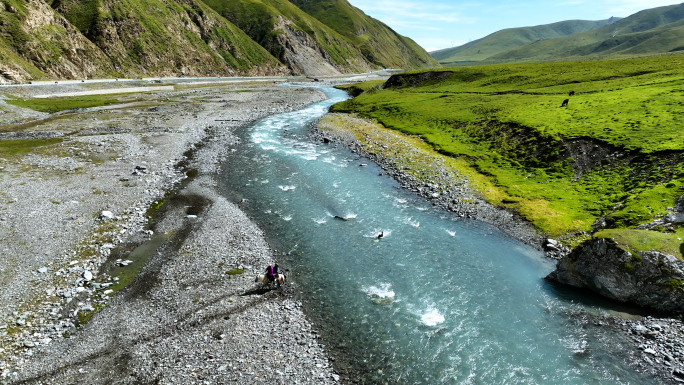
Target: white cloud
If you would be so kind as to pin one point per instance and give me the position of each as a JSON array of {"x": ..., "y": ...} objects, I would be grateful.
[
  {"x": 619, "y": 8},
  {"x": 435, "y": 44},
  {"x": 411, "y": 11}
]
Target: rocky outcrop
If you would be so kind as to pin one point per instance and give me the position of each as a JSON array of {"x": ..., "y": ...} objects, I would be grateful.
[
  {"x": 677, "y": 216},
  {"x": 301, "y": 53},
  {"x": 649, "y": 279}
]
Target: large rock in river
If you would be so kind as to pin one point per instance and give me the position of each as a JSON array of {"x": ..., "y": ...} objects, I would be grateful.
[{"x": 649, "y": 279}]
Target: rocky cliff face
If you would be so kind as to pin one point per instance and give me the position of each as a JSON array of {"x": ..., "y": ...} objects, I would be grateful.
[
  {"x": 649, "y": 279},
  {"x": 34, "y": 40},
  {"x": 301, "y": 53},
  {"x": 379, "y": 44},
  {"x": 297, "y": 39}
]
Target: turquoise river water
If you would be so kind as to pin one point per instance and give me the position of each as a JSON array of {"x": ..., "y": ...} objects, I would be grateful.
[{"x": 437, "y": 300}]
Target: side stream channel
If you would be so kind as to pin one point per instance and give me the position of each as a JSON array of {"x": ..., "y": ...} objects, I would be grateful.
[{"x": 436, "y": 300}]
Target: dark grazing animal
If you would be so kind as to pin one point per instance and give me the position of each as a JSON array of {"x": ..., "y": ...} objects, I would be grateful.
[
  {"x": 565, "y": 103},
  {"x": 571, "y": 93}
]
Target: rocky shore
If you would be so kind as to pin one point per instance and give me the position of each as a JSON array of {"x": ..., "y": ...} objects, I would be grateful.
[
  {"x": 422, "y": 172},
  {"x": 93, "y": 292},
  {"x": 657, "y": 342}
]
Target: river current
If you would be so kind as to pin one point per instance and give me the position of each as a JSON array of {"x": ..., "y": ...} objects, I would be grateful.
[{"x": 437, "y": 299}]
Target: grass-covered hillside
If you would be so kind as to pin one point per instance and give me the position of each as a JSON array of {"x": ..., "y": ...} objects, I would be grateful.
[
  {"x": 175, "y": 37},
  {"x": 76, "y": 39},
  {"x": 507, "y": 39},
  {"x": 613, "y": 155},
  {"x": 282, "y": 28},
  {"x": 653, "y": 31},
  {"x": 379, "y": 44}
]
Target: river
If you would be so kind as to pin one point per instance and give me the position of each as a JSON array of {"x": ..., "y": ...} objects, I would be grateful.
[{"x": 437, "y": 299}]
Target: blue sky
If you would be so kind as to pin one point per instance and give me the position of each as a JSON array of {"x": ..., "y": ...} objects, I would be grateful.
[{"x": 437, "y": 24}]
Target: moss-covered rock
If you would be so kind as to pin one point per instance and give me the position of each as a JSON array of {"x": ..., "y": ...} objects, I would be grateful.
[{"x": 654, "y": 280}]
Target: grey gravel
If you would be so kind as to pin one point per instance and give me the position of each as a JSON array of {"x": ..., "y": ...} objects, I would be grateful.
[{"x": 70, "y": 212}]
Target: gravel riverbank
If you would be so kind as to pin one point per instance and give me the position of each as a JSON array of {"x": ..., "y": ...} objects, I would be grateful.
[{"x": 92, "y": 292}]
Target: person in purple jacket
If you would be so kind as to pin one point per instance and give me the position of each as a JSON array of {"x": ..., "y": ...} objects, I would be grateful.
[{"x": 269, "y": 273}]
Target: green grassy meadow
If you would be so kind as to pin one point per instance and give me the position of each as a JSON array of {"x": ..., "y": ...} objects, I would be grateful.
[
  {"x": 13, "y": 148},
  {"x": 615, "y": 152},
  {"x": 57, "y": 104}
]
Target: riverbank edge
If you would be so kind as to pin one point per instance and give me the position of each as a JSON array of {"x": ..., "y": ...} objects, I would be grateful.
[
  {"x": 424, "y": 173},
  {"x": 656, "y": 341}
]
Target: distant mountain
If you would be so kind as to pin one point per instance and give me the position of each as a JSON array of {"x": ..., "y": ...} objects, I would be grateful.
[
  {"x": 653, "y": 31},
  {"x": 379, "y": 44},
  {"x": 508, "y": 39},
  {"x": 42, "y": 39}
]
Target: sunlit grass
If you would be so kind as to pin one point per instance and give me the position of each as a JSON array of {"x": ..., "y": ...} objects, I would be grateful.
[
  {"x": 505, "y": 123},
  {"x": 13, "y": 148},
  {"x": 56, "y": 104}
]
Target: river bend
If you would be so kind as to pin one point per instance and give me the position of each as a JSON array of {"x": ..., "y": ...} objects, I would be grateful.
[{"x": 436, "y": 300}]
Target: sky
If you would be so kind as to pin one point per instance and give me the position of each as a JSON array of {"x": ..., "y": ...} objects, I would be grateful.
[{"x": 438, "y": 24}]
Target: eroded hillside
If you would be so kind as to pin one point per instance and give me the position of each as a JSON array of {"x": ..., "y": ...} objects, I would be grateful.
[
  {"x": 379, "y": 44},
  {"x": 167, "y": 38},
  {"x": 297, "y": 39}
]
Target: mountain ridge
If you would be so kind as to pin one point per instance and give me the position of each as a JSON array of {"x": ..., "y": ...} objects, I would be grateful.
[
  {"x": 651, "y": 31},
  {"x": 294, "y": 37},
  {"x": 507, "y": 39},
  {"x": 78, "y": 39},
  {"x": 648, "y": 32}
]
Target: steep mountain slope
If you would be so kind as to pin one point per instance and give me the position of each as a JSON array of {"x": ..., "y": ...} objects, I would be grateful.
[
  {"x": 297, "y": 39},
  {"x": 36, "y": 42},
  {"x": 378, "y": 43},
  {"x": 652, "y": 31},
  {"x": 167, "y": 37},
  {"x": 96, "y": 38},
  {"x": 507, "y": 39}
]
